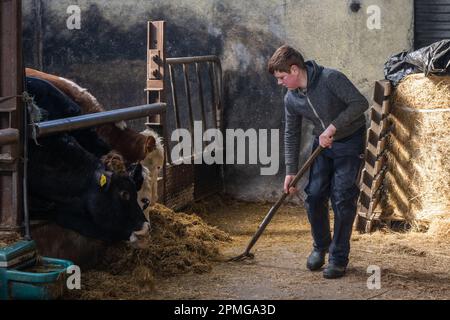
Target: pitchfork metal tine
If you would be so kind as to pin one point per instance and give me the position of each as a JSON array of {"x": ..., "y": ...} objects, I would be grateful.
[{"x": 242, "y": 257}]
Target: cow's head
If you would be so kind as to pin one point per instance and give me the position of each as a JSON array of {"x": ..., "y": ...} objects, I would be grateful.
[{"x": 114, "y": 208}]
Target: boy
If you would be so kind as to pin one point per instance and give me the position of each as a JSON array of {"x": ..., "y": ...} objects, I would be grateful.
[{"x": 336, "y": 108}]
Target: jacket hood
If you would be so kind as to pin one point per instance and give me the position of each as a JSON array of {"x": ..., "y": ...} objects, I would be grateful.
[{"x": 313, "y": 71}]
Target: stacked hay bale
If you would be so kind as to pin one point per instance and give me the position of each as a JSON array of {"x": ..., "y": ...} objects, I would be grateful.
[{"x": 418, "y": 177}]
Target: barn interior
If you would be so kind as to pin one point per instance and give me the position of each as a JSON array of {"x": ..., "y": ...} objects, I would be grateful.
[{"x": 199, "y": 65}]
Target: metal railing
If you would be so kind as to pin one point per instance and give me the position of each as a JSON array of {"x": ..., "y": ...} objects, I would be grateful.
[
  {"x": 11, "y": 136},
  {"x": 95, "y": 119},
  {"x": 214, "y": 71}
]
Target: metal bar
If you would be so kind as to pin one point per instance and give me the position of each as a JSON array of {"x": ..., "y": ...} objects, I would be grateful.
[
  {"x": 221, "y": 116},
  {"x": 9, "y": 136},
  {"x": 188, "y": 96},
  {"x": 213, "y": 93},
  {"x": 217, "y": 92},
  {"x": 220, "y": 89},
  {"x": 174, "y": 97},
  {"x": 200, "y": 94},
  {"x": 184, "y": 60},
  {"x": 95, "y": 119}
]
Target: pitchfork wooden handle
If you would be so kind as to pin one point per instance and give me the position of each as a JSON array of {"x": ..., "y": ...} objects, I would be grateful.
[
  {"x": 306, "y": 166},
  {"x": 280, "y": 201}
]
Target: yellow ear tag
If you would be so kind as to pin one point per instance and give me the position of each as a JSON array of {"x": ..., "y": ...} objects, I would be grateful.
[{"x": 102, "y": 180}]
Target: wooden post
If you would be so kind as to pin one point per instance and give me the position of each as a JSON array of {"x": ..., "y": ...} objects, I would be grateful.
[{"x": 11, "y": 115}]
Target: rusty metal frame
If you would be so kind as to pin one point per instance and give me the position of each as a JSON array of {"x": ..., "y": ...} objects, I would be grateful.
[{"x": 156, "y": 69}]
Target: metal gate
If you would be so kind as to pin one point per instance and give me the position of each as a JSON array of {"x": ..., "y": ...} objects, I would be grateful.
[
  {"x": 198, "y": 100},
  {"x": 195, "y": 94}
]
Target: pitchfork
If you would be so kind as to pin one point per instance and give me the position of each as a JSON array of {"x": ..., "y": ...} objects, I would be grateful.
[{"x": 247, "y": 254}]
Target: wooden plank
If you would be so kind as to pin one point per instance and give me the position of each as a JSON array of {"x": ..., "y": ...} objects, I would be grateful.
[
  {"x": 375, "y": 116},
  {"x": 377, "y": 108},
  {"x": 375, "y": 168},
  {"x": 373, "y": 138},
  {"x": 373, "y": 149},
  {"x": 379, "y": 148},
  {"x": 370, "y": 211},
  {"x": 375, "y": 127},
  {"x": 386, "y": 109},
  {"x": 377, "y": 182},
  {"x": 380, "y": 163},
  {"x": 379, "y": 128},
  {"x": 364, "y": 200},
  {"x": 378, "y": 93},
  {"x": 371, "y": 170},
  {"x": 367, "y": 179},
  {"x": 370, "y": 185},
  {"x": 375, "y": 202},
  {"x": 382, "y": 145},
  {"x": 367, "y": 190},
  {"x": 387, "y": 88},
  {"x": 370, "y": 158}
]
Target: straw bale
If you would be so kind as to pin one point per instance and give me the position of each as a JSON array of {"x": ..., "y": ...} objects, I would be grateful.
[
  {"x": 418, "y": 178},
  {"x": 420, "y": 92}
]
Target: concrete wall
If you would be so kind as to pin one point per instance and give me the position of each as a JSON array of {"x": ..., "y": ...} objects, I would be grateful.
[{"x": 108, "y": 54}]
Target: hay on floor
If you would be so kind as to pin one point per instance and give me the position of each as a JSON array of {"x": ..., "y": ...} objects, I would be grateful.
[
  {"x": 8, "y": 238},
  {"x": 178, "y": 243}
]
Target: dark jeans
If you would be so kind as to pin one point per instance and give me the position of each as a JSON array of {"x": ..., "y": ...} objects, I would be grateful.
[{"x": 333, "y": 175}]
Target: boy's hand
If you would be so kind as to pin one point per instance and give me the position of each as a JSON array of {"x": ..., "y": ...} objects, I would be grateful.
[
  {"x": 287, "y": 181},
  {"x": 326, "y": 138}
]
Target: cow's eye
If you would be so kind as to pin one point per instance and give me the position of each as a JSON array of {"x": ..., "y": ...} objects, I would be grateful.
[{"x": 124, "y": 195}]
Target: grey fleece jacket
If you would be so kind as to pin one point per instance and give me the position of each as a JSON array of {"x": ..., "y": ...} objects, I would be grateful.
[{"x": 330, "y": 98}]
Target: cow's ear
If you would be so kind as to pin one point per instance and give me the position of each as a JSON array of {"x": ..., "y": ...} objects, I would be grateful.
[
  {"x": 150, "y": 144},
  {"x": 103, "y": 179}
]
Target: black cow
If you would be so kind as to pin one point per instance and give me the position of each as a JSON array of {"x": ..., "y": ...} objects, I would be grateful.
[{"x": 84, "y": 196}]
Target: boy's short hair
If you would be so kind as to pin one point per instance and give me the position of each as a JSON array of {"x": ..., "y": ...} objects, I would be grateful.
[{"x": 283, "y": 58}]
